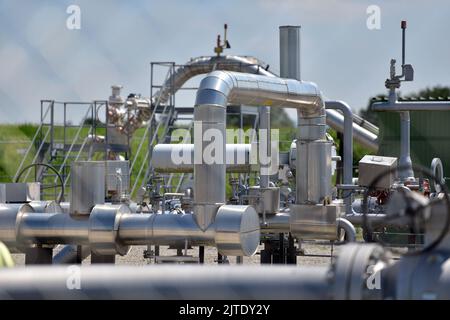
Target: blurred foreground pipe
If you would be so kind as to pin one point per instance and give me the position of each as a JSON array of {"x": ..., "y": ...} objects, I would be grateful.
[{"x": 167, "y": 282}]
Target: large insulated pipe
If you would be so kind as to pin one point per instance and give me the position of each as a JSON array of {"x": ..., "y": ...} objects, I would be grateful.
[
  {"x": 218, "y": 89},
  {"x": 245, "y": 64},
  {"x": 168, "y": 282},
  {"x": 180, "y": 158},
  {"x": 111, "y": 229}
]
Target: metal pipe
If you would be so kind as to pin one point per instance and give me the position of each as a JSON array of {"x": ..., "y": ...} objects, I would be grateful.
[
  {"x": 373, "y": 219},
  {"x": 411, "y": 106},
  {"x": 180, "y": 158},
  {"x": 245, "y": 64},
  {"x": 361, "y": 135},
  {"x": 168, "y": 282},
  {"x": 163, "y": 229},
  {"x": 404, "y": 109},
  {"x": 265, "y": 142},
  {"x": 348, "y": 147},
  {"x": 349, "y": 229},
  {"x": 110, "y": 229},
  {"x": 276, "y": 223},
  {"x": 405, "y": 146},
  {"x": 290, "y": 52},
  {"x": 218, "y": 89},
  {"x": 51, "y": 229}
]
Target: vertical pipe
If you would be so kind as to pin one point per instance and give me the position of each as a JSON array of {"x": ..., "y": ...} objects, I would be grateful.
[
  {"x": 290, "y": 52},
  {"x": 348, "y": 147},
  {"x": 264, "y": 127},
  {"x": 209, "y": 159},
  {"x": 405, "y": 149}
]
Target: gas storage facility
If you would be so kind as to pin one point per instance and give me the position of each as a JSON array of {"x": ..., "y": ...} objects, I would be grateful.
[{"x": 150, "y": 199}]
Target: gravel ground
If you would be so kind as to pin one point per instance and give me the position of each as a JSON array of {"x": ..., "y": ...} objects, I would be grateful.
[{"x": 135, "y": 256}]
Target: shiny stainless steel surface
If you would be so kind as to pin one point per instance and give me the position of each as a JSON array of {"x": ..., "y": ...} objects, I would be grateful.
[
  {"x": 111, "y": 229},
  {"x": 314, "y": 221},
  {"x": 168, "y": 282},
  {"x": 237, "y": 230},
  {"x": 313, "y": 172},
  {"x": 219, "y": 88},
  {"x": 264, "y": 200},
  {"x": 209, "y": 177},
  {"x": 8, "y": 223},
  {"x": 51, "y": 228},
  {"x": 290, "y": 52},
  {"x": 104, "y": 224},
  {"x": 163, "y": 229},
  {"x": 87, "y": 186},
  {"x": 203, "y": 65},
  {"x": 370, "y": 167},
  {"x": 163, "y": 159},
  {"x": 276, "y": 223}
]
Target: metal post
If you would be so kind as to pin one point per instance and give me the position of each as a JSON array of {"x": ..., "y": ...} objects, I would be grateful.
[{"x": 201, "y": 254}]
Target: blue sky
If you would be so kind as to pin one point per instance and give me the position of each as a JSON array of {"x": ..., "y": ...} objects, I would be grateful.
[{"x": 40, "y": 58}]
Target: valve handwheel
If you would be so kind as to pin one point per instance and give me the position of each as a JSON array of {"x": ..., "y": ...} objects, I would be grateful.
[{"x": 56, "y": 185}]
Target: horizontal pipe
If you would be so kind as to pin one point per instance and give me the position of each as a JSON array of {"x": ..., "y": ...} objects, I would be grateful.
[
  {"x": 52, "y": 229},
  {"x": 179, "y": 158},
  {"x": 162, "y": 229},
  {"x": 411, "y": 106},
  {"x": 235, "y": 231},
  {"x": 167, "y": 282},
  {"x": 373, "y": 219},
  {"x": 277, "y": 223}
]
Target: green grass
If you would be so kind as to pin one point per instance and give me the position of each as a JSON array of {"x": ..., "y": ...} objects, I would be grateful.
[{"x": 15, "y": 139}]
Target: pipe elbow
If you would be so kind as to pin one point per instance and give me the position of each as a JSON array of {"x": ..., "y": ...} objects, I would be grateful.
[
  {"x": 347, "y": 226},
  {"x": 214, "y": 89}
]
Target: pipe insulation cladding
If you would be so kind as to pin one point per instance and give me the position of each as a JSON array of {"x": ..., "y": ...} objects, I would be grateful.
[
  {"x": 218, "y": 89},
  {"x": 245, "y": 64},
  {"x": 111, "y": 229}
]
